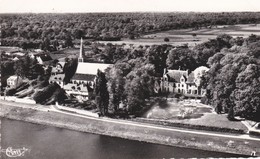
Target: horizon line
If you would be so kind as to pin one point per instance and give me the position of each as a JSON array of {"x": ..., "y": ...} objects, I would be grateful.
[{"x": 130, "y": 12}]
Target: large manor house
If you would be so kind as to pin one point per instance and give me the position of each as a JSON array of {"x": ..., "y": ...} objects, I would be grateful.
[{"x": 183, "y": 82}]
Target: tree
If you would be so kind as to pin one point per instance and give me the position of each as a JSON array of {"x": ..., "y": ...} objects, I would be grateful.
[
  {"x": 231, "y": 115},
  {"x": 46, "y": 44},
  {"x": 247, "y": 93},
  {"x": 116, "y": 85},
  {"x": 194, "y": 35},
  {"x": 157, "y": 56},
  {"x": 68, "y": 41},
  {"x": 22, "y": 66},
  {"x": 70, "y": 69},
  {"x": 102, "y": 96},
  {"x": 116, "y": 89},
  {"x": 166, "y": 39},
  {"x": 181, "y": 57},
  {"x": 139, "y": 86}
]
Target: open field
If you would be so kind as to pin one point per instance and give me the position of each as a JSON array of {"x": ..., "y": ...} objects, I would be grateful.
[
  {"x": 185, "y": 36},
  {"x": 68, "y": 52},
  {"x": 8, "y": 49},
  {"x": 195, "y": 114}
]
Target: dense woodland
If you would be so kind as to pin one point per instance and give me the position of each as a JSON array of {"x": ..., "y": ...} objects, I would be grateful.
[
  {"x": 232, "y": 83},
  {"x": 48, "y": 31}
]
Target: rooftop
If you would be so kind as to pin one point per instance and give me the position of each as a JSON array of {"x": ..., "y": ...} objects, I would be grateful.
[
  {"x": 83, "y": 77},
  {"x": 175, "y": 75},
  {"x": 89, "y": 68}
]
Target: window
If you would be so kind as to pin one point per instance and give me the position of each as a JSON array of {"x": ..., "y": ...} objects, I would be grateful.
[
  {"x": 195, "y": 91},
  {"x": 182, "y": 85},
  {"x": 178, "y": 85}
]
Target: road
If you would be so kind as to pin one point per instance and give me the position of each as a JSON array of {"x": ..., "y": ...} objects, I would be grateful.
[
  {"x": 234, "y": 143},
  {"x": 130, "y": 123}
]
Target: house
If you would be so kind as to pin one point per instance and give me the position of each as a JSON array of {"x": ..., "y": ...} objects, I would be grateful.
[
  {"x": 42, "y": 58},
  {"x": 14, "y": 81},
  {"x": 183, "y": 82}
]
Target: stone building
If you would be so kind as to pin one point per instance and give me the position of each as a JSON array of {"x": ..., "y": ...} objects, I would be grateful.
[{"x": 183, "y": 82}]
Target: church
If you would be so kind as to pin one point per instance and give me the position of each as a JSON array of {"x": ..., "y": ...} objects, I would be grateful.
[{"x": 82, "y": 83}]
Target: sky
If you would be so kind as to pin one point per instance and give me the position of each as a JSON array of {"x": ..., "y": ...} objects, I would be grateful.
[{"x": 71, "y": 6}]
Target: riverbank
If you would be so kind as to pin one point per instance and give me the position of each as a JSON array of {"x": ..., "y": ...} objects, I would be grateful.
[{"x": 238, "y": 144}]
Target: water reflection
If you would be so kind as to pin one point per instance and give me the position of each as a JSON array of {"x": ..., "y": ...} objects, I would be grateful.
[{"x": 47, "y": 142}]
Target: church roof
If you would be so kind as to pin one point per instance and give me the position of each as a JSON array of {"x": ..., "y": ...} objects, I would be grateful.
[
  {"x": 91, "y": 68},
  {"x": 83, "y": 77}
]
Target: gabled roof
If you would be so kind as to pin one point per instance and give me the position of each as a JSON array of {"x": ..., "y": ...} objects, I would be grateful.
[
  {"x": 14, "y": 77},
  {"x": 57, "y": 77},
  {"x": 91, "y": 68},
  {"x": 83, "y": 77},
  {"x": 175, "y": 75}
]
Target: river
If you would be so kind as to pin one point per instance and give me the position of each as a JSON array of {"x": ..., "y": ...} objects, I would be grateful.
[{"x": 46, "y": 142}]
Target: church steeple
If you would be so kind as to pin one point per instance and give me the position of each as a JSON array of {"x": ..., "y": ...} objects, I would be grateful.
[{"x": 81, "y": 52}]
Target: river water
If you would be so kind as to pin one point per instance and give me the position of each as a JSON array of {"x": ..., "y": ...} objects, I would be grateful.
[{"x": 46, "y": 142}]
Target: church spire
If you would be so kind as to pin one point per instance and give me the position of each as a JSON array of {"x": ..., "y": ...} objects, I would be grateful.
[{"x": 81, "y": 51}]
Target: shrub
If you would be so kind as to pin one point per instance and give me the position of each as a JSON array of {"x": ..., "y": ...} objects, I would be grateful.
[{"x": 166, "y": 39}]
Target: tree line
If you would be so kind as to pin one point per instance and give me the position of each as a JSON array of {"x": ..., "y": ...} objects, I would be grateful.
[{"x": 37, "y": 30}]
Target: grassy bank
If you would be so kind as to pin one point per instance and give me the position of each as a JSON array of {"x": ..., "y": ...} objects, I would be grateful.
[
  {"x": 131, "y": 130},
  {"x": 191, "y": 126}
]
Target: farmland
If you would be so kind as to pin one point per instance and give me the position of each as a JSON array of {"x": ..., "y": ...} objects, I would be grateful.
[{"x": 191, "y": 36}]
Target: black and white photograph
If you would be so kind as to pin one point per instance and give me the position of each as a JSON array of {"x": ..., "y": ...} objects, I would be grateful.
[{"x": 129, "y": 79}]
